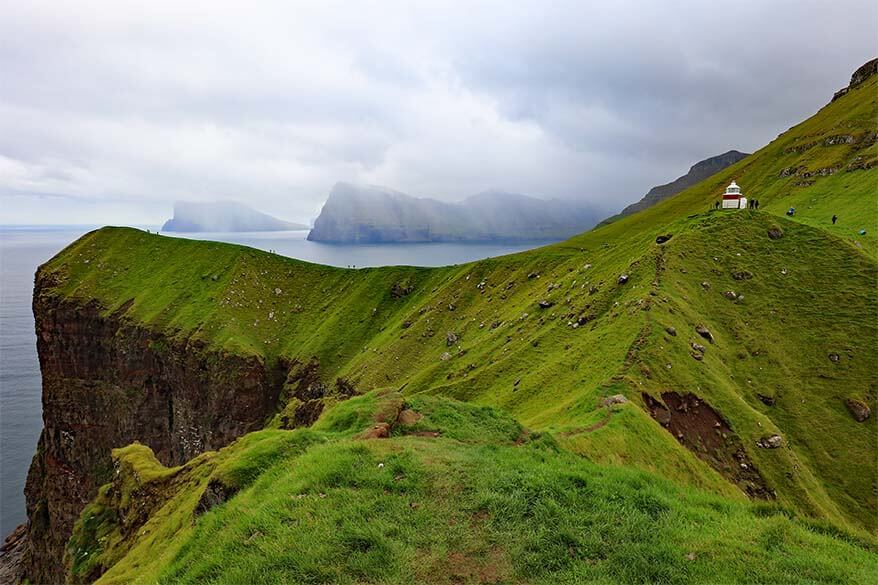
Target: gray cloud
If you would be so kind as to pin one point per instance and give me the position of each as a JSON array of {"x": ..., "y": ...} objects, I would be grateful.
[{"x": 123, "y": 107}]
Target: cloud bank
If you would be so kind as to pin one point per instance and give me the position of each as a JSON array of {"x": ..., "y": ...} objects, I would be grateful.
[{"x": 111, "y": 110}]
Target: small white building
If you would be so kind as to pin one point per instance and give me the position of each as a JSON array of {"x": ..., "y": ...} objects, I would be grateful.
[{"x": 733, "y": 198}]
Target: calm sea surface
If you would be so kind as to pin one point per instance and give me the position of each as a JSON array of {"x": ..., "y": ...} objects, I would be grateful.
[{"x": 22, "y": 250}]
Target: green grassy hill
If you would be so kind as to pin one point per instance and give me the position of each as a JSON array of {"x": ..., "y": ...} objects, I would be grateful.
[
  {"x": 625, "y": 492},
  {"x": 456, "y": 494}
]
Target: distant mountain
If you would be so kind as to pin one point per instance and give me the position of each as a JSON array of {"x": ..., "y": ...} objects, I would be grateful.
[
  {"x": 698, "y": 172},
  {"x": 224, "y": 217},
  {"x": 374, "y": 214}
]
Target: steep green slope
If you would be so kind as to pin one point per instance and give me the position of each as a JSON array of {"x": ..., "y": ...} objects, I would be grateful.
[
  {"x": 550, "y": 367},
  {"x": 546, "y": 336},
  {"x": 457, "y": 494}
]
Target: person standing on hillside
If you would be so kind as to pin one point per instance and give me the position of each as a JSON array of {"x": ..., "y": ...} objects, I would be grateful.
[{"x": 834, "y": 219}]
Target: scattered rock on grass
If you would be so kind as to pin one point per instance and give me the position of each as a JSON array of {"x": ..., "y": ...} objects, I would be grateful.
[
  {"x": 766, "y": 399},
  {"x": 451, "y": 338},
  {"x": 614, "y": 399},
  {"x": 775, "y": 233},
  {"x": 663, "y": 239},
  {"x": 698, "y": 347},
  {"x": 834, "y": 357},
  {"x": 671, "y": 331},
  {"x": 545, "y": 304},
  {"x": 858, "y": 409},
  {"x": 704, "y": 332},
  {"x": 445, "y": 356},
  {"x": 408, "y": 417},
  {"x": 742, "y": 274},
  {"x": 401, "y": 289},
  {"x": 731, "y": 295},
  {"x": 379, "y": 431},
  {"x": 623, "y": 279},
  {"x": 771, "y": 442}
]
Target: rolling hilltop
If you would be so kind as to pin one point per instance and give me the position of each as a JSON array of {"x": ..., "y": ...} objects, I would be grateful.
[
  {"x": 605, "y": 409},
  {"x": 357, "y": 214}
]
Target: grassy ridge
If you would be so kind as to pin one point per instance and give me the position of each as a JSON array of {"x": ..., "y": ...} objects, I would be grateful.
[
  {"x": 481, "y": 502},
  {"x": 542, "y": 336},
  {"x": 535, "y": 365}
]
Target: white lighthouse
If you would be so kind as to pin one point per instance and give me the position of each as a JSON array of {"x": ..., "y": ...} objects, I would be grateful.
[{"x": 733, "y": 198}]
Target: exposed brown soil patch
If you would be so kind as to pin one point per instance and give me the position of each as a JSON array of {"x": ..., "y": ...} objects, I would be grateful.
[
  {"x": 409, "y": 417},
  {"x": 379, "y": 431},
  {"x": 598, "y": 425},
  {"x": 492, "y": 566},
  {"x": 702, "y": 430},
  {"x": 392, "y": 414}
]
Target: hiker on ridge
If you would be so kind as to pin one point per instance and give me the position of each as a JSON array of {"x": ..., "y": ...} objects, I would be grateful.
[{"x": 834, "y": 219}]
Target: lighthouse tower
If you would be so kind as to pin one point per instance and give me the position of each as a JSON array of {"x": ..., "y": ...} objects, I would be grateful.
[{"x": 733, "y": 198}]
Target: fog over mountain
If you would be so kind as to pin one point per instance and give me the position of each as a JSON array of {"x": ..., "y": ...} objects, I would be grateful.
[
  {"x": 111, "y": 111},
  {"x": 369, "y": 214},
  {"x": 224, "y": 216}
]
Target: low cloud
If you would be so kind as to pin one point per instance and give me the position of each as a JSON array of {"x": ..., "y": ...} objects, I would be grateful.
[{"x": 119, "y": 108}]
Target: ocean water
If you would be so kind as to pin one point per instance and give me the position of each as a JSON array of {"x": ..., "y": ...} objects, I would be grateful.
[{"x": 23, "y": 249}]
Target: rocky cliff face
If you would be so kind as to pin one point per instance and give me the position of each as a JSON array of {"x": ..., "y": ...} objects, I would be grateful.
[
  {"x": 108, "y": 382},
  {"x": 864, "y": 72}
]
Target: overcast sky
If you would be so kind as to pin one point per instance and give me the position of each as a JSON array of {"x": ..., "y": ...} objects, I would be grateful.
[{"x": 111, "y": 110}]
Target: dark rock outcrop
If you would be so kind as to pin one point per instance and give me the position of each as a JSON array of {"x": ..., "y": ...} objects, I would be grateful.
[
  {"x": 214, "y": 494},
  {"x": 11, "y": 555},
  {"x": 863, "y": 73},
  {"x": 108, "y": 382}
]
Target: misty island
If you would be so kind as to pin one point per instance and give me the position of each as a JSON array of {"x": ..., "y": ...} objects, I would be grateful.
[
  {"x": 226, "y": 216},
  {"x": 362, "y": 214},
  {"x": 369, "y": 214},
  {"x": 684, "y": 394}
]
